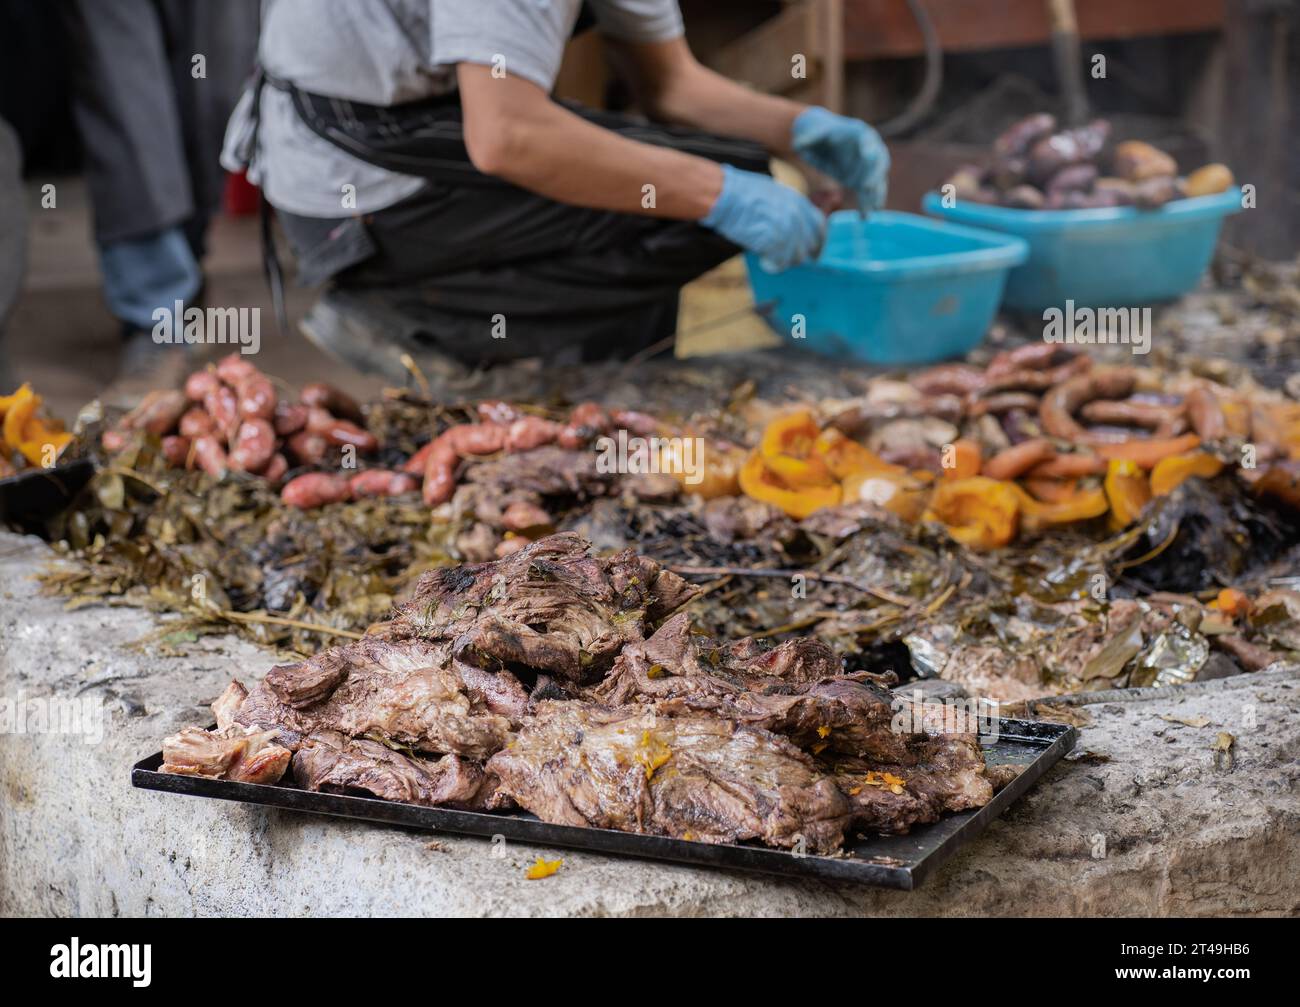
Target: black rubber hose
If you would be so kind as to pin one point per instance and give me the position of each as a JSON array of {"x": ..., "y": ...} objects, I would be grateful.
[{"x": 923, "y": 103}]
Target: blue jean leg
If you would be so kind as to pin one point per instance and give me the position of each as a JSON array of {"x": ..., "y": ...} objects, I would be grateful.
[{"x": 144, "y": 274}]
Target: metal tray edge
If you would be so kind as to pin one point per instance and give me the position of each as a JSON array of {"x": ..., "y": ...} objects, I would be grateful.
[{"x": 1055, "y": 740}]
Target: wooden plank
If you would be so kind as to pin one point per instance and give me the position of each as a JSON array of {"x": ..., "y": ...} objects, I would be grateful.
[
  {"x": 876, "y": 29},
  {"x": 1261, "y": 119},
  {"x": 829, "y": 25},
  {"x": 584, "y": 72},
  {"x": 762, "y": 58}
]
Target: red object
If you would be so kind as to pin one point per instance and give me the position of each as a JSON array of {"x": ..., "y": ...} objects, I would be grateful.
[{"x": 241, "y": 197}]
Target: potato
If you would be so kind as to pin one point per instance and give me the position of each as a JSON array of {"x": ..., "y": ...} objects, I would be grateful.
[
  {"x": 1060, "y": 150},
  {"x": 1154, "y": 192},
  {"x": 1016, "y": 140},
  {"x": 1208, "y": 180},
  {"x": 1122, "y": 190},
  {"x": 967, "y": 186},
  {"x": 1024, "y": 197},
  {"x": 965, "y": 179},
  {"x": 1008, "y": 172},
  {"x": 1076, "y": 178},
  {"x": 1138, "y": 161}
]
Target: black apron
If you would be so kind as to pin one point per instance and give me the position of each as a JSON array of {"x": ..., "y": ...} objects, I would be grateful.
[{"x": 425, "y": 139}]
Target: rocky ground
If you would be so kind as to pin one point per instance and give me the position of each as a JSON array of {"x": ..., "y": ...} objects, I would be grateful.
[{"x": 1139, "y": 821}]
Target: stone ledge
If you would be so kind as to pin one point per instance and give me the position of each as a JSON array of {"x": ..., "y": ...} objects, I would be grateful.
[{"x": 1180, "y": 837}]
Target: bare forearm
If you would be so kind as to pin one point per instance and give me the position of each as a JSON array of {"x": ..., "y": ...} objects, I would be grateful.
[
  {"x": 703, "y": 99},
  {"x": 672, "y": 86},
  {"x": 552, "y": 152}
]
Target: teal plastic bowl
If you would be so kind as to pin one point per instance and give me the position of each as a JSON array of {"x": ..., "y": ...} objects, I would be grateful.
[
  {"x": 896, "y": 288},
  {"x": 1105, "y": 258}
]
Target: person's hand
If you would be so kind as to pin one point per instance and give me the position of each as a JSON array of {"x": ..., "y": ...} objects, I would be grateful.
[
  {"x": 763, "y": 216},
  {"x": 848, "y": 150}
]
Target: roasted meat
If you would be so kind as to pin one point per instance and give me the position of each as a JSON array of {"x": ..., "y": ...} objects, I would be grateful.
[
  {"x": 793, "y": 689},
  {"x": 331, "y": 762},
  {"x": 234, "y": 754},
  {"x": 946, "y": 773},
  {"x": 629, "y": 727},
  {"x": 689, "y": 776},
  {"x": 408, "y": 692},
  {"x": 877, "y": 804},
  {"x": 800, "y": 661},
  {"x": 545, "y": 472},
  {"x": 226, "y": 706},
  {"x": 231, "y": 751},
  {"x": 552, "y": 608}
]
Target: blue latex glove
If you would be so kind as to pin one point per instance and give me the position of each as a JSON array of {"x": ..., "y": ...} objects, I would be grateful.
[
  {"x": 763, "y": 216},
  {"x": 848, "y": 150}
]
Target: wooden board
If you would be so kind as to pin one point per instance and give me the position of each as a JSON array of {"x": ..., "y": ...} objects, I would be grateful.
[{"x": 876, "y": 29}]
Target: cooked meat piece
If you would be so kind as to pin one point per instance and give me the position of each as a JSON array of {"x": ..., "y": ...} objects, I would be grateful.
[
  {"x": 854, "y": 717},
  {"x": 1002, "y": 774},
  {"x": 499, "y": 691},
  {"x": 874, "y": 804},
  {"x": 690, "y": 776},
  {"x": 802, "y": 660},
  {"x": 330, "y": 762},
  {"x": 478, "y": 543},
  {"x": 666, "y": 733},
  {"x": 308, "y": 682},
  {"x": 232, "y": 754},
  {"x": 809, "y": 702},
  {"x": 263, "y": 710},
  {"x": 948, "y": 767},
  {"x": 551, "y": 607},
  {"x": 652, "y": 487},
  {"x": 945, "y": 772},
  {"x": 407, "y": 691},
  {"x": 582, "y": 647},
  {"x": 545, "y": 471},
  {"x": 227, "y": 705},
  {"x": 503, "y": 493},
  {"x": 861, "y": 417},
  {"x": 739, "y": 518},
  {"x": 427, "y": 708}
]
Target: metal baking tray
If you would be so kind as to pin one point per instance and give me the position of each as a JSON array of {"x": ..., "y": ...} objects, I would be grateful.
[
  {"x": 34, "y": 494},
  {"x": 888, "y": 861}
]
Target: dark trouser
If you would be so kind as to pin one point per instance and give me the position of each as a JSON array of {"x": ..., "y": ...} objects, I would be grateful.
[
  {"x": 13, "y": 240},
  {"x": 151, "y": 130},
  {"x": 469, "y": 252}
]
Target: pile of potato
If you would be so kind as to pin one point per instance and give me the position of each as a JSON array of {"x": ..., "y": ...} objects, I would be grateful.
[{"x": 1036, "y": 166}]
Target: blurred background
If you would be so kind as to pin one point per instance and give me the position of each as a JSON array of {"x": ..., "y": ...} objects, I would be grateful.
[{"x": 1205, "y": 80}]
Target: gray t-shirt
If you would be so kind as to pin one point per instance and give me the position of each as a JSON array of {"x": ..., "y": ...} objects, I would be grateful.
[{"x": 385, "y": 52}]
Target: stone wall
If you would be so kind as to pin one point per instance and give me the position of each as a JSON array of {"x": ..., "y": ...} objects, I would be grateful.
[{"x": 1138, "y": 822}]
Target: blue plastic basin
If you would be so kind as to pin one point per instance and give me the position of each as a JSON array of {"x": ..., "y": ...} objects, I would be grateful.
[
  {"x": 1104, "y": 258},
  {"x": 896, "y": 288}
]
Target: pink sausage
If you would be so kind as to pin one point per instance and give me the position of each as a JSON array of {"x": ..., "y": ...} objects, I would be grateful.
[{"x": 315, "y": 489}]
